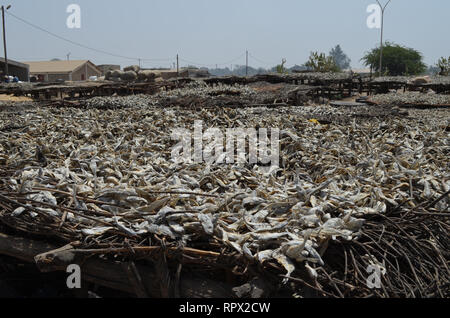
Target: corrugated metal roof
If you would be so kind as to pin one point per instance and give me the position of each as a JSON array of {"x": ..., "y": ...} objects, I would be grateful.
[{"x": 55, "y": 66}]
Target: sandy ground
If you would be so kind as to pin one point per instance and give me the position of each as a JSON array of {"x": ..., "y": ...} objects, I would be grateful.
[{"x": 12, "y": 98}]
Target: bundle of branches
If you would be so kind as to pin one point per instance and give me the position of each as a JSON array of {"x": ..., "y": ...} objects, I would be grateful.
[
  {"x": 410, "y": 247},
  {"x": 36, "y": 236}
]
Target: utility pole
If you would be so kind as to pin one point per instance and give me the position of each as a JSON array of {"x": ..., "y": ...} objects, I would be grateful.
[
  {"x": 4, "y": 39},
  {"x": 246, "y": 63},
  {"x": 382, "y": 26},
  {"x": 178, "y": 66}
]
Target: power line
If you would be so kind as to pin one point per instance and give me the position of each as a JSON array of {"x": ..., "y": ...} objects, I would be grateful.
[
  {"x": 82, "y": 45},
  {"x": 158, "y": 60},
  {"x": 70, "y": 41},
  {"x": 132, "y": 58},
  {"x": 233, "y": 60},
  {"x": 194, "y": 63},
  {"x": 259, "y": 60},
  {"x": 213, "y": 65}
]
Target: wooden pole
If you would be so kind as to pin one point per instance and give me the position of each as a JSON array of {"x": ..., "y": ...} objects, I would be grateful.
[
  {"x": 381, "y": 44},
  {"x": 246, "y": 63},
  {"x": 4, "y": 42}
]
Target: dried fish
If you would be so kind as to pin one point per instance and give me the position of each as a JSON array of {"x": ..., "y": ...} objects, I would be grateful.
[
  {"x": 96, "y": 230},
  {"x": 207, "y": 223},
  {"x": 109, "y": 168}
]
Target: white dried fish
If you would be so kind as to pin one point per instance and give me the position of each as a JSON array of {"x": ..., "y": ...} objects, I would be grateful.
[
  {"x": 207, "y": 223},
  {"x": 18, "y": 211},
  {"x": 264, "y": 255},
  {"x": 96, "y": 230},
  {"x": 155, "y": 206},
  {"x": 285, "y": 262},
  {"x": 350, "y": 166},
  {"x": 161, "y": 230}
]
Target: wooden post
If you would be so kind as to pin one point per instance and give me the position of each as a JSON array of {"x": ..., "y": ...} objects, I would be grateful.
[
  {"x": 4, "y": 42},
  {"x": 246, "y": 64}
]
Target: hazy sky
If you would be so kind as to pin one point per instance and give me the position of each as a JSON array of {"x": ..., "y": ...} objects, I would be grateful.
[{"x": 215, "y": 32}]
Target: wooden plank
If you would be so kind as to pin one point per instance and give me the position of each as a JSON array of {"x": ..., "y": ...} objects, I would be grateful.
[
  {"x": 111, "y": 274},
  {"x": 346, "y": 104}
]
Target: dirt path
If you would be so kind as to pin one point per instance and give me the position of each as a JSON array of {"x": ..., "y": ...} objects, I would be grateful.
[{"x": 12, "y": 98}]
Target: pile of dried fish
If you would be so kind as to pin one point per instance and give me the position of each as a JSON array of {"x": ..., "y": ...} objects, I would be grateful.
[
  {"x": 201, "y": 89},
  {"x": 330, "y": 76},
  {"x": 392, "y": 79},
  {"x": 118, "y": 102},
  {"x": 443, "y": 80},
  {"x": 197, "y": 90},
  {"x": 326, "y": 114},
  {"x": 107, "y": 179},
  {"x": 432, "y": 80},
  {"x": 411, "y": 98}
]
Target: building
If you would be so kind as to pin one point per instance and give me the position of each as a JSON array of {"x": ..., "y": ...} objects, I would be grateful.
[
  {"x": 51, "y": 71},
  {"x": 105, "y": 68},
  {"x": 15, "y": 69}
]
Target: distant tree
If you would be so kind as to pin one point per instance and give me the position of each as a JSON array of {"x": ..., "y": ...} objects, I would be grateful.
[
  {"x": 444, "y": 66},
  {"x": 397, "y": 60},
  {"x": 261, "y": 70},
  {"x": 238, "y": 70},
  {"x": 56, "y": 59},
  {"x": 432, "y": 70},
  {"x": 341, "y": 59},
  {"x": 298, "y": 68},
  {"x": 280, "y": 67},
  {"x": 219, "y": 71},
  {"x": 319, "y": 62}
]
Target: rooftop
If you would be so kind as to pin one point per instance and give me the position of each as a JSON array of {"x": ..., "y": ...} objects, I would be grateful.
[{"x": 56, "y": 66}]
